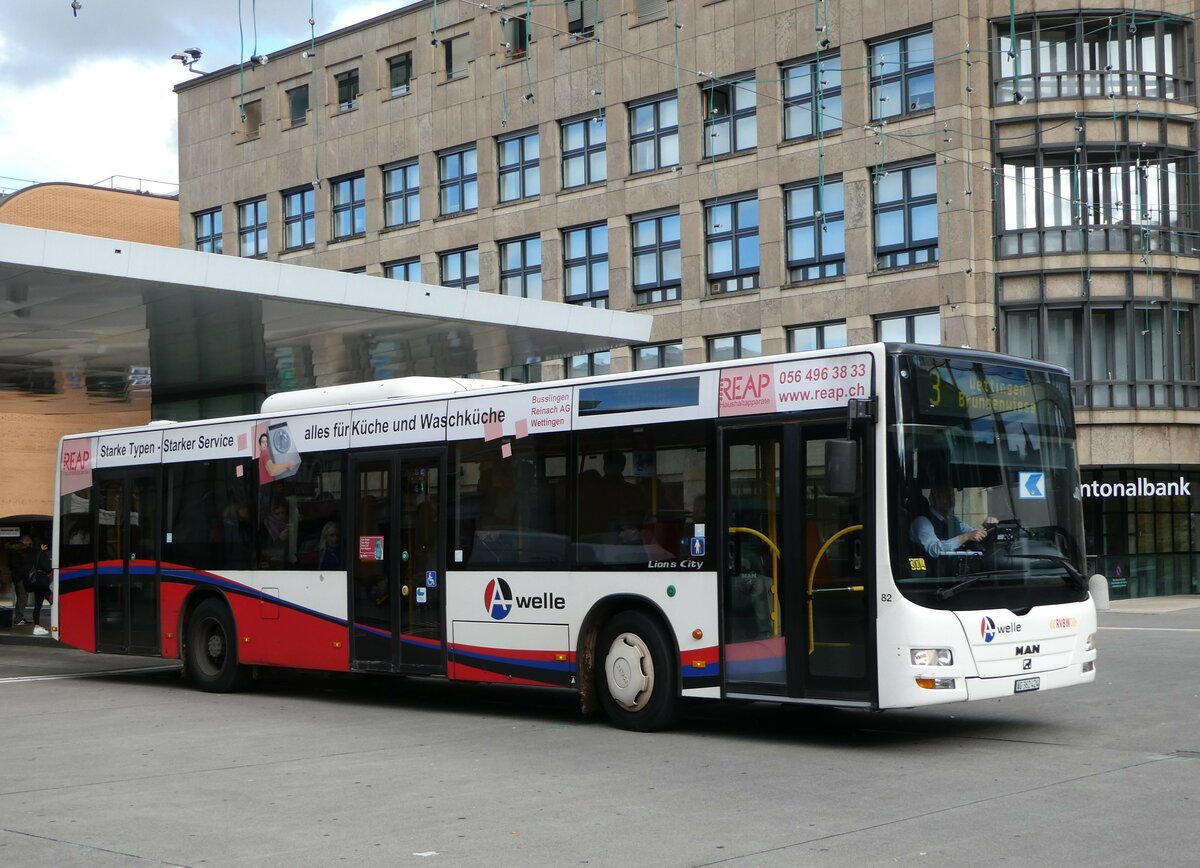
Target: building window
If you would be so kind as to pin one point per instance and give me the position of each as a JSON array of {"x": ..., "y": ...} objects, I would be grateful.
[
  {"x": 518, "y": 163},
  {"x": 405, "y": 269},
  {"x": 514, "y": 36},
  {"x": 1129, "y": 198},
  {"x": 347, "y": 89},
  {"x": 812, "y": 97},
  {"x": 729, "y": 347},
  {"x": 906, "y": 231},
  {"x": 731, "y": 244},
  {"x": 816, "y": 230},
  {"x": 654, "y": 135},
  {"x": 581, "y": 19},
  {"x": 458, "y": 181},
  {"x": 297, "y": 100},
  {"x": 455, "y": 53},
  {"x": 585, "y": 265},
  {"x": 648, "y": 10},
  {"x": 251, "y": 119},
  {"x": 521, "y": 267},
  {"x": 1076, "y": 56},
  {"x": 658, "y": 356},
  {"x": 584, "y": 155},
  {"x": 252, "y": 228},
  {"x": 588, "y": 365},
  {"x": 531, "y": 373},
  {"x": 657, "y": 269},
  {"x": 1120, "y": 353},
  {"x": 401, "y": 194},
  {"x": 400, "y": 73},
  {"x": 730, "y": 123},
  {"x": 913, "y": 328},
  {"x": 348, "y": 198},
  {"x": 826, "y": 336},
  {"x": 460, "y": 268},
  {"x": 902, "y": 76},
  {"x": 299, "y": 218},
  {"x": 208, "y": 231}
]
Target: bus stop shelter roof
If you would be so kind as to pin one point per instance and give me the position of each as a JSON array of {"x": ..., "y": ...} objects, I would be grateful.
[{"x": 85, "y": 310}]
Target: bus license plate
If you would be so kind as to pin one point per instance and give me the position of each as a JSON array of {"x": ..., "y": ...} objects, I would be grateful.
[{"x": 1024, "y": 685}]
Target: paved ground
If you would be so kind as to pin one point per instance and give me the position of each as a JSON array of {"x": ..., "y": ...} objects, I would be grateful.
[{"x": 133, "y": 768}]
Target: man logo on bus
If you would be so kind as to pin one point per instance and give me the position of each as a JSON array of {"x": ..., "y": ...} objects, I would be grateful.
[
  {"x": 987, "y": 628},
  {"x": 498, "y": 599}
]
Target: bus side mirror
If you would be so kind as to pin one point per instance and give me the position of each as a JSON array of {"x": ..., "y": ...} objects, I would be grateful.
[{"x": 841, "y": 467}]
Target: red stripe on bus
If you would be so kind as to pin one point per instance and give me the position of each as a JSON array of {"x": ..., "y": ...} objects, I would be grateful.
[
  {"x": 463, "y": 672},
  {"x": 77, "y": 619}
]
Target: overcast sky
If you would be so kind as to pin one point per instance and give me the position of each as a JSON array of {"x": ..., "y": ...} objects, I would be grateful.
[{"x": 87, "y": 97}]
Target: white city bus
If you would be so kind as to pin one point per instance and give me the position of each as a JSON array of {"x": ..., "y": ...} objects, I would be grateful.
[{"x": 739, "y": 530}]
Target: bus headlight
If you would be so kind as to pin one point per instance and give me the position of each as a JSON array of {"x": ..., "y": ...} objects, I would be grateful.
[
  {"x": 1091, "y": 642},
  {"x": 932, "y": 657}
]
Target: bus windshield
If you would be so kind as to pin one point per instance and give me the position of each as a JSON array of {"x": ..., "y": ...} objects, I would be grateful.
[{"x": 986, "y": 510}]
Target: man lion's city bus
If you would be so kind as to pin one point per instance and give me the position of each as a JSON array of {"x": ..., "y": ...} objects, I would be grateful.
[{"x": 740, "y": 530}]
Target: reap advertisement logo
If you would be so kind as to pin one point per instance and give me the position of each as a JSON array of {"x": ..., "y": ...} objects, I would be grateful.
[
  {"x": 988, "y": 628},
  {"x": 499, "y": 601}
]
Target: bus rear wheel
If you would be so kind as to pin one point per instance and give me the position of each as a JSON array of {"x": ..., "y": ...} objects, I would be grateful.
[
  {"x": 637, "y": 680},
  {"x": 212, "y": 649}
]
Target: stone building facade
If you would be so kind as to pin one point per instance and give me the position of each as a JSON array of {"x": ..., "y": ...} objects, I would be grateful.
[{"x": 763, "y": 177}]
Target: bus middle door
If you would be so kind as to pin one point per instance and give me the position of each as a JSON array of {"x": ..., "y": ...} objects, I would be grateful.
[{"x": 396, "y": 572}]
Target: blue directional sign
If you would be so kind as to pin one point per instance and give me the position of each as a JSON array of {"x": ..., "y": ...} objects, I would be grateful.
[{"x": 1031, "y": 486}]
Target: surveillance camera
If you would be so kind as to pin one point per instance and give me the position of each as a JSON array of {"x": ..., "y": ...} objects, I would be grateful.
[{"x": 1019, "y": 98}]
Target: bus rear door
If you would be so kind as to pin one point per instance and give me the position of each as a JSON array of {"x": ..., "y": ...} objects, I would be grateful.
[{"x": 125, "y": 512}]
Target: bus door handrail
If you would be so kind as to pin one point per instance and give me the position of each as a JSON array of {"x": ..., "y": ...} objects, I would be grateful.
[
  {"x": 774, "y": 572},
  {"x": 812, "y": 574}
]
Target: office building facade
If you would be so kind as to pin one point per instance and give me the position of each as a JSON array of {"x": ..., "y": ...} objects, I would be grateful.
[{"x": 763, "y": 177}]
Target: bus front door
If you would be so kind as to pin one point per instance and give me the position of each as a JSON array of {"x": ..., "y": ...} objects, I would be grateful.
[
  {"x": 795, "y": 596},
  {"x": 396, "y": 569},
  {"x": 125, "y": 527}
]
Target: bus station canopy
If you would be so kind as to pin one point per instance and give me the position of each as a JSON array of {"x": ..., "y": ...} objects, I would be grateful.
[{"x": 110, "y": 318}]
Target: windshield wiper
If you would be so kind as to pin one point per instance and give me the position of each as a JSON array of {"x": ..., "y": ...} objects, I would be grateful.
[
  {"x": 947, "y": 593},
  {"x": 1073, "y": 576}
]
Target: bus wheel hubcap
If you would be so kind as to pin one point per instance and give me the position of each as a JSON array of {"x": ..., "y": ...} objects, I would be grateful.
[
  {"x": 215, "y": 645},
  {"x": 630, "y": 672}
]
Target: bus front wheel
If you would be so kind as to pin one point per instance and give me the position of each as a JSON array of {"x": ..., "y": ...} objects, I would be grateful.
[
  {"x": 212, "y": 649},
  {"x": 637, "y": 681}
]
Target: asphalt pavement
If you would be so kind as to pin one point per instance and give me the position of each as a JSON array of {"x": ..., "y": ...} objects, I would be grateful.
[{"x": 113, "y": 761}]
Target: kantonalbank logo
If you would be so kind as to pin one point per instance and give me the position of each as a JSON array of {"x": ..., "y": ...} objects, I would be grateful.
[
  {"x": 988, "y": 628},
  {"x": 499, "y": 600}
]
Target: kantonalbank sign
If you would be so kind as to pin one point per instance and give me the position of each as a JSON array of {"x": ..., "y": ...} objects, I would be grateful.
[{"x": 1142, "y": 487}]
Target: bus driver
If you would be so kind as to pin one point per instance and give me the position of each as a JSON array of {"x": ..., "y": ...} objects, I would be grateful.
[{"x": 939, "y": 531}]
